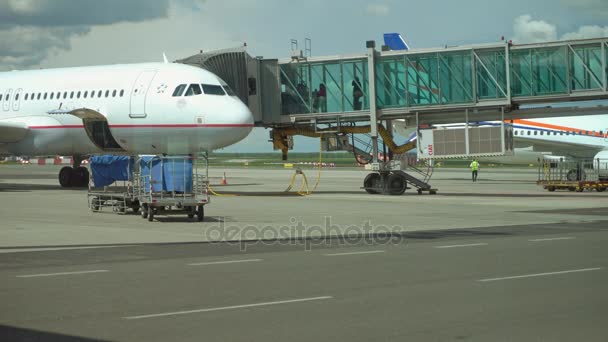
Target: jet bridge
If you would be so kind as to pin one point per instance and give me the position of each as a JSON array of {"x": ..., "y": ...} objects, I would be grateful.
[{"x": 363, "y": 94}]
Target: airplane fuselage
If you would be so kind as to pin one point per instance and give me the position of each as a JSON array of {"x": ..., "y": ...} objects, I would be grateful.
[{"x": 126, "y": 109}]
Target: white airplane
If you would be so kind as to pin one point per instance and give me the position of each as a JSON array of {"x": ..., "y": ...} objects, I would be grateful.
[
  {"x": 132, "y": 109},
  {"x": 578, "y": 137}
]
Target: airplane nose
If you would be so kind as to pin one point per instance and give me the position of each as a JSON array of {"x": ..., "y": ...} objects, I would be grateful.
[
  {"x": 243, "y": 115},
  {"x": 241, "y": 120}
]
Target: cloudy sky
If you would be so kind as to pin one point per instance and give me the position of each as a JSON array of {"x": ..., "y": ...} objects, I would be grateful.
[{"x": 55, "y": 33}]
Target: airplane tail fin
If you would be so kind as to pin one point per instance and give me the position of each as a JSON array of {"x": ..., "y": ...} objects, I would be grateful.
[{"x": 395, "y": 41}]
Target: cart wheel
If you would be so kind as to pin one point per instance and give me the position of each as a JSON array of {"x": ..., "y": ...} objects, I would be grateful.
[
  {"x": 551, "y": 188},
  {"x": 150, "y": 214},
  {"x": 600, "y": 189},
  {"x": 571, "y": 188},
  {"x": 200, "y": 213},
  {"x": 144, "y": 211},
  {"x": 95, "y": 204}
]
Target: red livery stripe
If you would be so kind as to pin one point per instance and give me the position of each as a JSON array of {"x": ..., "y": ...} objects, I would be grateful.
[
  {"x": 181, "y": 125},
  {"x": 152, "y": 126}
]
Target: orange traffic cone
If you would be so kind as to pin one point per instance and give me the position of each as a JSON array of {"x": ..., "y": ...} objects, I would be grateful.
[{"x": 224, "y": 182}]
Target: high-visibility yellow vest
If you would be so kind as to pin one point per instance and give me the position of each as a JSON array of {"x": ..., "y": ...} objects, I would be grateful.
[{"x": 474, "y": 166}]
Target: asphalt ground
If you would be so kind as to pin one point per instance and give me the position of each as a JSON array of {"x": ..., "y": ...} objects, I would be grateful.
[{"x": 499, "y": 260}]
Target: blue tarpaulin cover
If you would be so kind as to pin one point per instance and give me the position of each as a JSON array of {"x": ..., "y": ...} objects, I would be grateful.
[
  {"x": 168, "y": 174},
  {"x": 108, "y": 168}
]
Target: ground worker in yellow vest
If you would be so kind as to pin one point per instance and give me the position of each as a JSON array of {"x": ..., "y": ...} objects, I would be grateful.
[{"x": 474, "y": 168}]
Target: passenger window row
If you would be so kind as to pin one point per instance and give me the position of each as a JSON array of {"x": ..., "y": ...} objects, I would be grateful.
[
  {"x": 199, "y": 89},
  {"x": 529, "y": 132},
  {"x": 63, "y": 95}
]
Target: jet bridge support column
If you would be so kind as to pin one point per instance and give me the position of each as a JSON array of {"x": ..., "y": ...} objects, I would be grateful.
[{"x": 373, "y": 110}]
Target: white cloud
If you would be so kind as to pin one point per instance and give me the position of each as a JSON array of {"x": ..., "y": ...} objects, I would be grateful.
[
  {"x": 587, "y": 32},
  {"x": 377, "y": 9},
  {"x": 527, "y": 30}
]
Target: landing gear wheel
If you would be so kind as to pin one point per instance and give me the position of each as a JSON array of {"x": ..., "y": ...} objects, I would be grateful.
[
  {"x": 396, "y": 184},
  {"x": 373, "y": 180},
  {"x": 200, "y": 213},
  {"x": 150, "y": 214},
  {"x": 66, "y": 176},
  {"x": 574, "y": 175},
  {"x": 81, "y": 177},
  {"x": 144, "y": 211}
]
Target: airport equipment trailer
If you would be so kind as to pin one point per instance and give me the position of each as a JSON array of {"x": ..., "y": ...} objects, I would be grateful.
[
  {"x": 171, "y": 185},
  {"x": 573, "y": 175},
  {"x": 149, "y": 185}
]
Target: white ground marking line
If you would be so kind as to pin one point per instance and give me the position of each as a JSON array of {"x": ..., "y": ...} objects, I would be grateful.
[
  {"x": 59, "y": 274},
  {"x": 354, "y": 253},
  {"x": 48, "y": 249},
  {"x": 467, "y": 245},
  {"x": 553, "y": 239},
  {"x": 224, "y": 262},
  {"x": 233, "y": 307},
  {"x": 542, "y": 274}
]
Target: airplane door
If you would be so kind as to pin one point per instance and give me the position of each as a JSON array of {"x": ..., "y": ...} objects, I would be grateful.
[
  {"x": 139, "y": 93},
  {"x": 7, "y": 100}
]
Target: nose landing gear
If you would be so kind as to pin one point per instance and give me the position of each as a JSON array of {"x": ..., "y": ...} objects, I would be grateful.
[{"x": 74, "y": 176}]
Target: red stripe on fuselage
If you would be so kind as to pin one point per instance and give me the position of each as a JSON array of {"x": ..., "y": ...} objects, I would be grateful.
[{"x": 152, "y": 126}]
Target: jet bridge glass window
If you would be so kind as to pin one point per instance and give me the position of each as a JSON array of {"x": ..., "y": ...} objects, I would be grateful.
[
  {"x": 211, "y": 89},
  {"x": 193, "y": 89},
  {"x": 179, "y": 91}
]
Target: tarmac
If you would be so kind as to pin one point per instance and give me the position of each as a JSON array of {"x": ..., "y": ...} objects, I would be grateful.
[{"x": 497, "y": 260}]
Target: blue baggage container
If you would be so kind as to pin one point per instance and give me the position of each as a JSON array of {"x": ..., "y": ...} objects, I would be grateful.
[
  {"x": 177, "y": 175},
  {"x": 108, "y": 169},
  {"x": 166, "y": 174}
]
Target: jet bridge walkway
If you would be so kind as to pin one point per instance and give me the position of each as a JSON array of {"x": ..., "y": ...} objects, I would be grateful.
[{"x": 462, "y": 84}]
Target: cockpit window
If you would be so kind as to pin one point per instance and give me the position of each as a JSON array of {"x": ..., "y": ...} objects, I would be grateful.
[
  {"x": 211, "y": 89},
  {"x": 194, "y": 89},
  {"x": 228, "y": 90},
  {"x": 179, "y": 90}
]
